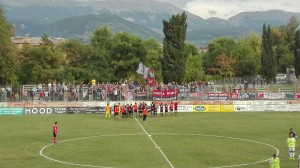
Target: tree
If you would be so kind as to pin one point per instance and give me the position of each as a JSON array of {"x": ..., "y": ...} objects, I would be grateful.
[
  {"x": 297, "y": 53},
  {"x": 221, "y": 46},
  {"x": 268, "y": 59},
  {"x": 194, "y": 70},
  {"x": 175, "y": 57},
  {"x": 42, "y": 64},
  {"x": 84, "y": 62},
  {"x": 154, "y": 57},
  {"x": 8, "y": 57},
  {"x": 290, "y": 30},
  {"x": 127, "y": 51},
  {"x": 246, "y": 63}
]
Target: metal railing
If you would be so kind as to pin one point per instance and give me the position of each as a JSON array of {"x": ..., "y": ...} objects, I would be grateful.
[{"x": 126, "y": 92}]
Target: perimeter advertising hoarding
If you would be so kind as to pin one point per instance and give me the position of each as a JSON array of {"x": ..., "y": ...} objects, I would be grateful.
[
  {"x": 206, "y": 108},
  {"x": 45, "y": 110},
  {"x": 60, "y": 110},
  {"x": 3, "y": 104},
  {"x": 85, "y": 110},
  {"x": 287, "y": 107},
  {"x": 227, "y": 108},
  {"x": 39, "y": 110},
  {"x": 241, "y": 108},
  {"x": 261, "y": 107},
  {"x": 11, "y": 111},
  {"x": 185, "y": 108}
]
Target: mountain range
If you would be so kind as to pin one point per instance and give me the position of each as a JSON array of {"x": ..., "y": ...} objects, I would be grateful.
[{"x": 78, "y": 19}]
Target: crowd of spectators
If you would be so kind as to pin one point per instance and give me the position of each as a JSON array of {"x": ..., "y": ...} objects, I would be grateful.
[{"x": 56, "y": 91}]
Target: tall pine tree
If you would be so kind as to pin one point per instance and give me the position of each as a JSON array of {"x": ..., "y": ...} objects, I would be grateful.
[
  {"x": 175, "y": 57},
  {"x": 297, "y": 53},
  {"x": 268, "y": 59}
]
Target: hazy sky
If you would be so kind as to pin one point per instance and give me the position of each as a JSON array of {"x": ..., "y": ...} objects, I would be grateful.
[{"x": 227, "y": 8}]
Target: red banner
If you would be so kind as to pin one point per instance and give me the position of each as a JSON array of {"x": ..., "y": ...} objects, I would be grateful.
[
  {"x": 297, "y": 95},
  {"x": 217, "y": 96},
  {"x": 165, "y": 93}
]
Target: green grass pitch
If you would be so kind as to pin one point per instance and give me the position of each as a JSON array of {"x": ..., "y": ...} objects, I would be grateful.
[{"x": 190, "y": 140}]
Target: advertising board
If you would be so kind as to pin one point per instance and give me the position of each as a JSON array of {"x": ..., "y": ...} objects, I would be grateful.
[
  {"x": 227, "y": 108},
  {"x": 11, "y": 111},
  {"x": 85, "y": 110},
  {"x": 206, "y": 108},
  {"x": 185, "y": 108},
  {"x": 240, "y": 108},
  {"x": 39, "y": 110}
]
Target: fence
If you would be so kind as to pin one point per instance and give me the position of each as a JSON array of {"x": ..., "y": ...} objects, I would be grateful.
[{"x": 114, "y": 92}]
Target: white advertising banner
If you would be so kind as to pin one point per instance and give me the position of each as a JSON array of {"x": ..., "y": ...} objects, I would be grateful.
[
  {"x": 288, "y": 107},
  {"x": 294, "y": 107},
  {"x": 240, "y": 108},
  {"x": 185, "y": 108},
  {"x": 260, "y": 102},
  {"x": 261, "y": 107},
  {"x": 281, "y": 107},
  {"x": 274, "y": 95},
  {"x": 3, "y": 104}
]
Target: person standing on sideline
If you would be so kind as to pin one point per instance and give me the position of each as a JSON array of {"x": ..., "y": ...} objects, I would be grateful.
[
  {"x": 161, "y": 109},
  {"x": 291, "y": 142},
  {"x": 293, "y": 133},
  {"x": 153, "y": 109},
  {"x": 135, "y": 109},
  {"x": 299, "y": 161},
  {"x": 145, "y": 113},
  {"x": 54, "y": 130},
  {"x": 274, "y": 162},
  {"x": 176, "y": 107},
  {"x": 116, "y": 112},
  {"x": 124, "y": 113},
  {"x": 107, "y": 111}
]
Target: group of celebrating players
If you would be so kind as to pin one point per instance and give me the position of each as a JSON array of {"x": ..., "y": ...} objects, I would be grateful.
[{"x": 141, "y": 109}]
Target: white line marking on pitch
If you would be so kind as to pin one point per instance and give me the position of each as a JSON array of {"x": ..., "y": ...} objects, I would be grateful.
[
  {"x": 241, "y": 139},
  {"x": 77, "y": 164},
  {"x": 156, "y": 146}
]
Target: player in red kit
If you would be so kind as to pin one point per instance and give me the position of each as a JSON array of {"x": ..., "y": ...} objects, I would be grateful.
[
  {"x": 176, "y": 107},
  {"x": 55, "y": 128}
]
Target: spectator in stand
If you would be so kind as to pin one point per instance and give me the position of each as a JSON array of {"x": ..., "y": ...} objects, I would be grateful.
[{"x": 41, "y": 95}]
